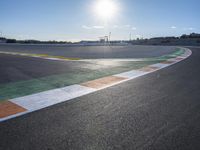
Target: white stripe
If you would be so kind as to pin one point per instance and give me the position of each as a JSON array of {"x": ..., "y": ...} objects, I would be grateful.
[
  {"x": 51, "y": 97},
  {"x": 53, "y": 58},
  {"x": 174, "y": 60},
  {"x": 131, "y": 74},
  {"x": 44, "y": 99},
  {"x": 160, "y": 65},
  {"x": 114, "y": 59}
]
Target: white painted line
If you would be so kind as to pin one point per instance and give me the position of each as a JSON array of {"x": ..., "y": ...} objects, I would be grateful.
[
  {"x": 52, "y": 58},
  {"x": 181, "y": 57},
  {"x": 160, "y": 65},
  {"x": 115, "y": 59},
  {"x": 51, "y": 97},
  {"x": 131, "y": 74},
  {"x": 173, "y": 59},
  {"x": 48, "y": 98},
  {"x": 77, "y": 90}
]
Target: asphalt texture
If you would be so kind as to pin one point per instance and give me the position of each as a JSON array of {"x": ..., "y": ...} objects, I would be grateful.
[
  {"x": 158, "y": 111},
  {"x": 21, "y": 75},
  {"x": 15, "y": 68},
  {"x": 91, "y": 51}
]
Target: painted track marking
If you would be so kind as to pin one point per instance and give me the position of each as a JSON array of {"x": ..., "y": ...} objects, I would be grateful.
[{"x": 23, "y": 105}]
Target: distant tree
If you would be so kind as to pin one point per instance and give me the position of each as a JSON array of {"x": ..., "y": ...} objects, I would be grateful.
[
  {"x": 11, "y": 41},
  {"x": 184, "y": 36},
  {"x": 170, "y": 38},
  {"x": 2, "y": 38},
  {"x": 165, "y": 41},
  {"x": 194, "y": 35}
]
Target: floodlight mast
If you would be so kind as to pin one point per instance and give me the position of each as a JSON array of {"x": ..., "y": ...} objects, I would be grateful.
[
  {"x": 104, "y": 39},
  {"x": 109, "y": 37}
]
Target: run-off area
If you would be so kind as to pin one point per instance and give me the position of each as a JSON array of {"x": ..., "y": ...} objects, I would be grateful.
[{"x": 21, "y": 75}]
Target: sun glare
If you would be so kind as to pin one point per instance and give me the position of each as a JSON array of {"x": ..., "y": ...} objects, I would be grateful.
[{"x": 105, "y": 9}]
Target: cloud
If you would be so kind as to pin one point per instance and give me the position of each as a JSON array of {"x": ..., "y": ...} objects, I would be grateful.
[
  {"x": 138, "y": 36},
  {"x": 92, "y": 27},
  {"x": 190, "y": 29},
  {"x": 173, "y": 27},
  {"x": 133, "y": 28},
  {"x": 116, "y": 26},
  {"x": 98, "y": 27},
  {"x": 127, "y": 26},
  {"x": 86, "y": 27}
]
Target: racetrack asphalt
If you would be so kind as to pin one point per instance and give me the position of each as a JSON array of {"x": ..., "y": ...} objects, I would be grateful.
[
  {"x": 15, "y": 68},
  {"x": 18, "y": 68},
  {"x": 89, "y": 52},
  {"x": 23, "y": 75},
  {"x": 160, "y": 110}
]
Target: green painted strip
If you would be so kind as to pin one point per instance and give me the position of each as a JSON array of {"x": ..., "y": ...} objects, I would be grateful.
[
  {"x": 22, "y": 88},
  {"x": 178, "y": 52}
]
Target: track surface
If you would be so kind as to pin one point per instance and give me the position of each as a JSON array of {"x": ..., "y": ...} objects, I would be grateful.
[
  {"x": 157, "y": 111},
  {"x": 91, "y": 51},
  {"x": 15, "y": 68},
  {"x": 19, "y": 68}
]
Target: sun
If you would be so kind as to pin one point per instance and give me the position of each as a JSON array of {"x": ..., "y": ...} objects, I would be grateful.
[{"x": 105, "y": 9}]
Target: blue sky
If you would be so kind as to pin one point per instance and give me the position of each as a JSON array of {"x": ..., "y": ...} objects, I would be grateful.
[{"x": 75, "y": 20}]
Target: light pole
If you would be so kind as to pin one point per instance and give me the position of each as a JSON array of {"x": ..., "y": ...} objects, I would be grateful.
[
  {"x": 130, "y": 37},
  {"x": 1, "y": 34},
  {"x": 109, "y": 37}
]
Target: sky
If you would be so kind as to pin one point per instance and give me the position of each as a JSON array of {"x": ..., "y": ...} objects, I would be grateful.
[{"x": 75, "y": 20}]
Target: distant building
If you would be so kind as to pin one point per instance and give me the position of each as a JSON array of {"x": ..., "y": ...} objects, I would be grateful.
[{"x": 103, "y": 39}]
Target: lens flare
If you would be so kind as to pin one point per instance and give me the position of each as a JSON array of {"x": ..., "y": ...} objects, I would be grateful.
[{"x": 105, "y": 9}]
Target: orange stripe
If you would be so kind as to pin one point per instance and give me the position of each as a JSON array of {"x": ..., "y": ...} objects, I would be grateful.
[
  {"x": 8, "y": 108},
  {"x": 103, "y": 82}
]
